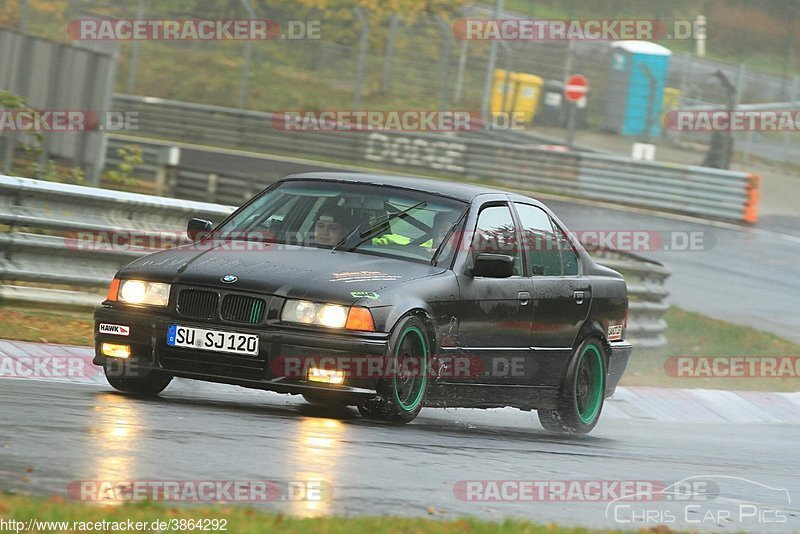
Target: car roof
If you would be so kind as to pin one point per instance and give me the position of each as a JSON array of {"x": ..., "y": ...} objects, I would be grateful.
[{"x": 456, "y": 190}]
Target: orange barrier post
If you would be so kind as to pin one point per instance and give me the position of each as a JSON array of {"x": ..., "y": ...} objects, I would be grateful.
[{"x": 753, "y": 196}]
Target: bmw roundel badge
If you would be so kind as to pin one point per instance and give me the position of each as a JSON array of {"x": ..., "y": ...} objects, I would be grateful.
[{"x": 229, "y": 279}]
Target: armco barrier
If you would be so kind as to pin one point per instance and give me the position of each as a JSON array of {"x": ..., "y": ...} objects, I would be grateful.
[
  {"x": 516, "y": 160},
  {"x": 40, "y": 246},
  {"x": 646, "y": 293},
  {"x": 43, "y": 218}
]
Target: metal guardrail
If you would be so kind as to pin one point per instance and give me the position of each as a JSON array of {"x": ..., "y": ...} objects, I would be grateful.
[
  {"x": 43, "y": 220},
  {"x": 647, "y": 295},
  {"x": 41, "y": 247},
  {"x": 686, "y": 189}
]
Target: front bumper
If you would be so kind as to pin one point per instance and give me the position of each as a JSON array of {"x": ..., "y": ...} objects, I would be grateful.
[
  {"x": 149, "y": 350},
  {"x": 617, "y": 362}
]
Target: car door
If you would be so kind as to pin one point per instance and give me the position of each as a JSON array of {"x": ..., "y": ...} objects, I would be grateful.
[
  {"x": 560, "y": 293},
  {"x": 495, "y": 313}
]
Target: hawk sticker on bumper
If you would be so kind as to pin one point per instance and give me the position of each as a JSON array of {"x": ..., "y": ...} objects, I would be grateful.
[{"x": 114, "y": 329}]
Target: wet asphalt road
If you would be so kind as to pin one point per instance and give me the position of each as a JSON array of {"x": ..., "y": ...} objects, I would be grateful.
[{"x": 199, "y": 431}]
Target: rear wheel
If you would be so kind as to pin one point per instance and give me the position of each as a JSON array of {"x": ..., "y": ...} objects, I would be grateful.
[
  {"x": 148, "y": 383},
  {"x": 402, "y": 393},
  {"x": 582, "y": 395}
]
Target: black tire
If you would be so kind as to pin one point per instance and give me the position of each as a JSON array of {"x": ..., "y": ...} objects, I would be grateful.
[
  {"x": 582, "y": 394},
  {"x": 150, "y": 383},
  {"x": 402, "y": 394}
]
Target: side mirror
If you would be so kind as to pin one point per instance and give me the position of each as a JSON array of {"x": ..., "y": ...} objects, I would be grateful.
[
  {"x": 198, "y": 229},
  {"x": 493, "y": 265}
]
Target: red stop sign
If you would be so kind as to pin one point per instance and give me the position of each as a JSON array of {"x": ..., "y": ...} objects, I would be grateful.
[{"x": 576, "y": 87}]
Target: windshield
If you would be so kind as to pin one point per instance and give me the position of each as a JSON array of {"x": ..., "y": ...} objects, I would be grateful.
[{"x": 379, "y": 220}]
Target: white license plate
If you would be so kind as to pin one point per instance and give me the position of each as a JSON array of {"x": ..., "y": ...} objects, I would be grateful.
[{"x": 214, "y": 340}]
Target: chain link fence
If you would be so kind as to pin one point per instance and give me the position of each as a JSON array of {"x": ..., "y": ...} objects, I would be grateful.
[{"x": 363, "y": 60}]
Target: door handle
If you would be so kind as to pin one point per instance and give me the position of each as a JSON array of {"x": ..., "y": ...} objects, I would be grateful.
[
  {"x": 524, "y": 298},
  {"x": 578, "y": 297}
]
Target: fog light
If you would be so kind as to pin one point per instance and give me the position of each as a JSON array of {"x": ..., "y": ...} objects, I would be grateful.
[
  {"x": 114, "y": 350},
  {"x": 315, "y": 374}
]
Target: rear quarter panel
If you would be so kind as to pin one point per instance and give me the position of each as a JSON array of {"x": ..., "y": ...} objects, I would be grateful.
[{"x": 609, "y": 304}]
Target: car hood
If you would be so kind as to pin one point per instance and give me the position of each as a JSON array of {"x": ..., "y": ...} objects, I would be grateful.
[{"x": 293, "y": 272}]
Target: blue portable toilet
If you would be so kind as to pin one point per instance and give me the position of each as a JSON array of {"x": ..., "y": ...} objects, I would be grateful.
[{"x": 629, "y": 86}]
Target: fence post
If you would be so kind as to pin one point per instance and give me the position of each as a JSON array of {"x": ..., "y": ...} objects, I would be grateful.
[
  {"x": 161, "y": 180},
  {"x": 134, "y": 65},
  {"x": 52, "y": 95},
  {"x": 462, "y": 63},
  {"x": 686, "y": 70},
  {"x": 741, "y": 83},
  {"x": 787, "y": 137},
  {"x": 362, "y": 57},
  {"x": 23, "y": 17},
  {"x": 445, "y": 55},
  {"x": 388, "y": 58},
  {"x": 211, "y": 190},
  {"x": 248, "y": 52},
  {"x": 168, "y": 160},
  {"x": 487, "y": 86},
  {"x": 172, "y": 181},
  {"x": 507, "y": 78},
  {"x": 568, "y": 62},
  {"x": 20, "y": 84}
]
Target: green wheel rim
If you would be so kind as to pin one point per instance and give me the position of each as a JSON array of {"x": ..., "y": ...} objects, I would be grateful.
[
  {"x": 588, "y": 386},
  {"x": 404, "y": 404}
]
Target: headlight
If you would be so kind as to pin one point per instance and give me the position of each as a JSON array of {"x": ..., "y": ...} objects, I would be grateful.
[
  {"x": 328, "y": 315},
  {"x": 303, "y": 311},
  {"x": 141, "y": 292},
  {"x": 332, "y": 316}
]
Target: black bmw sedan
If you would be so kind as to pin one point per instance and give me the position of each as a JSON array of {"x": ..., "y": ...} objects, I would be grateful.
[{"x": 383, "y": 292}]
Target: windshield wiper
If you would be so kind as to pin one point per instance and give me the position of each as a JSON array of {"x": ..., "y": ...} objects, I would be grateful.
[{"x": 373, "y": 230}]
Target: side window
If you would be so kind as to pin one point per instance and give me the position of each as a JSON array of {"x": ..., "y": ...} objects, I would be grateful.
[
  {"x": 539, "y": 241},
  {"x": 496, "y": 233},
  {"x": 568, "y": 255}
]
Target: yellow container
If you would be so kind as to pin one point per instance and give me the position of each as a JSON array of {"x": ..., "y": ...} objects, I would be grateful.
[
  {"x": 516, "y": 91},
  {"x": 671, "y": 99},
  {"x": 528, "y": 93}
]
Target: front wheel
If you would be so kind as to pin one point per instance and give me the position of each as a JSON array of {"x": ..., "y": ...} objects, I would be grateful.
[
  {"x": 149, "y": 383},
  {"x": 401, "y": 393},
  {"x": 581, "y": 398}
]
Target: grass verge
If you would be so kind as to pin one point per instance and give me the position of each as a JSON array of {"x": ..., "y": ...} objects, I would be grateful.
[
  {"x": 42, "y": 325},
  {"x": 242, "y": 519},
  {"x": 693, "y": 334}
]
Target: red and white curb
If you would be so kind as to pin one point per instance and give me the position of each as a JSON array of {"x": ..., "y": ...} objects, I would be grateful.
[
  {"x": 703, "y": 405},
  {"x": 73, "y": 364}
]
